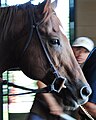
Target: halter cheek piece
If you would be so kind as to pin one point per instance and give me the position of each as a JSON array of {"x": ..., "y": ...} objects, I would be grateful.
[{"x": 59, "y": 81}]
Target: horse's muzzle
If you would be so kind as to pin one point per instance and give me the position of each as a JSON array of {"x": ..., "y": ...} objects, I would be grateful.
[{"x": 79, "y": 92}]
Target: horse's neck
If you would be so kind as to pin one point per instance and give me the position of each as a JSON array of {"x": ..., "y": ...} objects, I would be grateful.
[
  {"x": 4, "y": 35},
  {"x": 11, "y": 32}
]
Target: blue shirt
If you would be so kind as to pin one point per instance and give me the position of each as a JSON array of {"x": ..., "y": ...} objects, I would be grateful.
[{"x": 89, "y": 70}]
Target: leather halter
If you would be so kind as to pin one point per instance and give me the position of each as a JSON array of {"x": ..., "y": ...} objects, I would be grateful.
[{"x": 58, "y": 78}]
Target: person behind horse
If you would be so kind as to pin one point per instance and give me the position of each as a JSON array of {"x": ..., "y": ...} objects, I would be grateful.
[{"x": 82, "y": 48}]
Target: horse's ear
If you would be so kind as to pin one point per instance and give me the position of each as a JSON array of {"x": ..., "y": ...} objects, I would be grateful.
[
  {"x": 48, "y": 3},
  {"x": 54, "y": 4}
]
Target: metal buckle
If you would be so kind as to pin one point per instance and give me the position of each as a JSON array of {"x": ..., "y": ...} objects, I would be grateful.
[{"x": 58, "y": 84}]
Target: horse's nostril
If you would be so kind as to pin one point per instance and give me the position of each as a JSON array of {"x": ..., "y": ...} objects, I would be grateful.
[{"x": 85, "y": 91}]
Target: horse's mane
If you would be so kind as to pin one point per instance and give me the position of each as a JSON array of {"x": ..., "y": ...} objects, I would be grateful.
[{"x": 7, "y": 14}]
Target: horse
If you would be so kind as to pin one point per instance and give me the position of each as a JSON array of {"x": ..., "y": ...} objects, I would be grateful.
[{"x": 31, "y": 39}]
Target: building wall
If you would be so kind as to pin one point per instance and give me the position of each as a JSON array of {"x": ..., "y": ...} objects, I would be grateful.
[{"x": 85, "y": 18}]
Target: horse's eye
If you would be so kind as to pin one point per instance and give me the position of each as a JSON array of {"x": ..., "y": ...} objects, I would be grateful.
[{"x": 54, "y": 42}]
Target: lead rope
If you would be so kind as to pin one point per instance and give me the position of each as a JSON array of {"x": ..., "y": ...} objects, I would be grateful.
[{"x": 88, "y": 115}]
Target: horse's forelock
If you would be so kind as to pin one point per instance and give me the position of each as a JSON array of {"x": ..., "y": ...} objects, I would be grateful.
[
  {"x": 50, "y": 21},
  {"x": 47, "y": 6},
  {"x": 48, "y": 15},
  {"x": 55, "y": 23}
]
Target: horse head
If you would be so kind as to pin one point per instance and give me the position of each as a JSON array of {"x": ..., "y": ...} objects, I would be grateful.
[
  {"x": 41, "y": 50},
  {"x": 59, "y": 52}
]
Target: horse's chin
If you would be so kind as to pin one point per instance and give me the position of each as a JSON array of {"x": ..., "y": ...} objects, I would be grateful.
[
  {"x": 83, "y": 101},
  {"x": 74, "y": 105}
]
